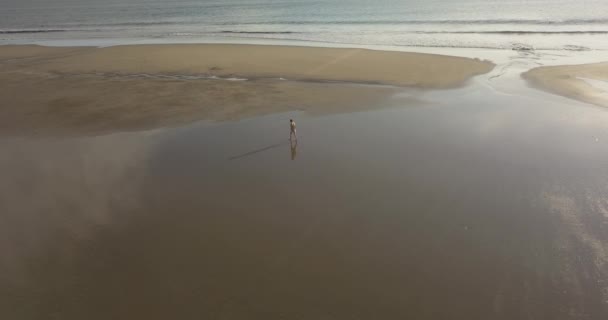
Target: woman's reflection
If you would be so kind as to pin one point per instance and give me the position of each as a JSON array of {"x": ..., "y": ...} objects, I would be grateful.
[{"x": 294, "y": 149}]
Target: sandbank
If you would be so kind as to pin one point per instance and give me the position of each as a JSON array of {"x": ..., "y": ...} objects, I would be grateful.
[
  {"x": 137, "y": 86},
  {"x": 580, "y": 82}
]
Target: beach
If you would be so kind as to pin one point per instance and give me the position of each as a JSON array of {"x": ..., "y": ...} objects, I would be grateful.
[
  {"x": 450, "y": 160},
  {"x": 158, "y": 181},
  {"x": 465, "y": 204},
  {"x": 125, "y": 87}
]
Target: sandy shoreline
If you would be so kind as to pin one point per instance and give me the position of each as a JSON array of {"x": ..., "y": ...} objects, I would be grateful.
[
  {"x": 144, "y": 86},
  {"x": 573, "y": 81}
]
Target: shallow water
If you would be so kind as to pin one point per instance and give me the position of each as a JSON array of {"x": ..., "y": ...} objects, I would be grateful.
[
  {"x": 542, "y": 24},
  {"x": 475, "y": 204}
]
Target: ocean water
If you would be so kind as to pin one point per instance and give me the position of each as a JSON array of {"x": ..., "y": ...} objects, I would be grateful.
[{"x": 497, "y": 24}]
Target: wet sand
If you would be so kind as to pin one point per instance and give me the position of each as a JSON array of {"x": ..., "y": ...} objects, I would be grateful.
[
  {"x": 469, "y": 205},
  {"x": 586, "y": 82},
  {"x": 94, "y": 90}
]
